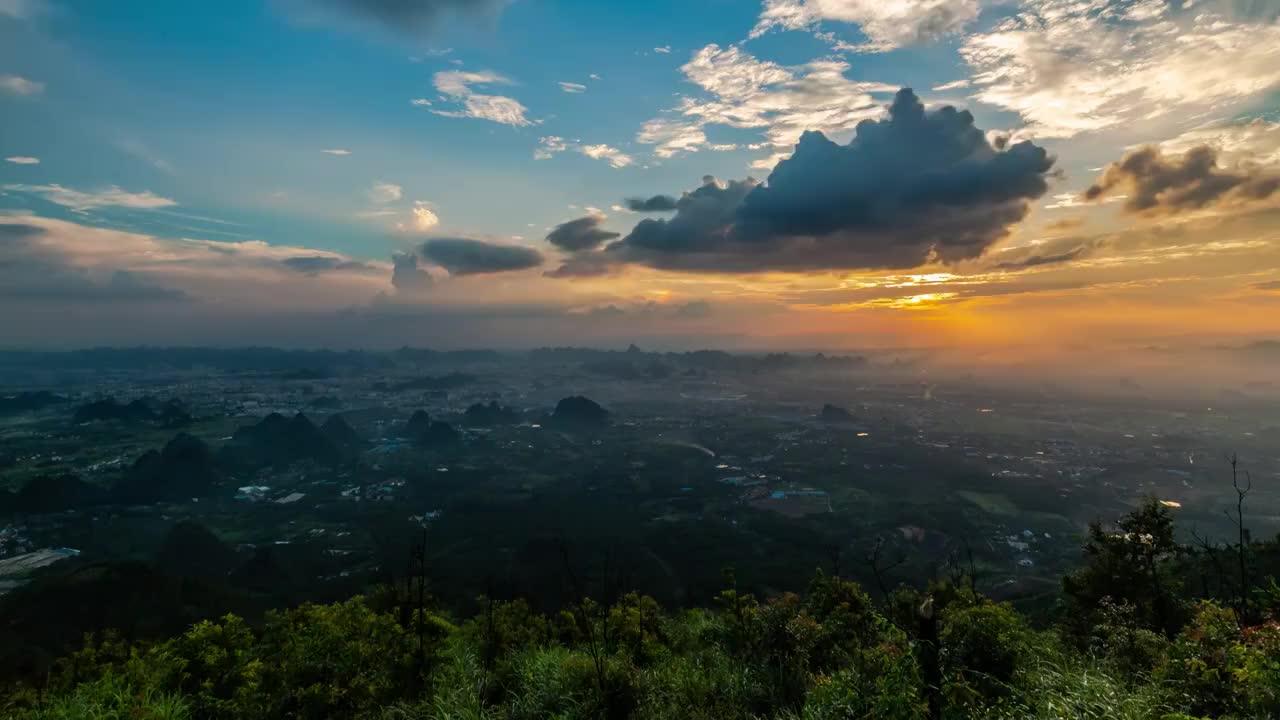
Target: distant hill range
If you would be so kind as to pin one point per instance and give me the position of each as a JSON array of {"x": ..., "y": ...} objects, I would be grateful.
[
  {"x": 168, "y": 414},
  {"x": 52, "y": 493},
  {"x": 456, "y": 365},
  {"x": 29, "y": 402}
]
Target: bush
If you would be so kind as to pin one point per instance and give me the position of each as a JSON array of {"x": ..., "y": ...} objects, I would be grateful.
[{"x": 981, "y": 648}]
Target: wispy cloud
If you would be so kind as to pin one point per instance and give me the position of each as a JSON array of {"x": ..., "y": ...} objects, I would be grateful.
[
  {"x": 23, "y": 160},
  {"x": 458, "y": 86},
  {"x": 21, "y": 9},
  {"x": 1071, "y": 67},
  {"x": 550, "y": 145},
  {"x": 17, "y": 85},
  {"x": 81, "y": 201},
  {"x": 664, "y": 50},
  {"x": 572, "y": 88},
  {"x": 887, "y": 25},
  {"x": 746, "y": 92},
  {"x": 336, "y": 151},
  {"x": 385, "y": 192}
]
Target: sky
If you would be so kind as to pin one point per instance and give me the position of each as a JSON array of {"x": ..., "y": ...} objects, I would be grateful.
[{"x": 1014, "y": 181}]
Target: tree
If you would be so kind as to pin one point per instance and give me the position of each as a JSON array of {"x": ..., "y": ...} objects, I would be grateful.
[{"x": 1132, "y": 564}]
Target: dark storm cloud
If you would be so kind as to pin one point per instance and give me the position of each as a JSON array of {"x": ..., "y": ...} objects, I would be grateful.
[
  {"x": 583, "y": 233},
  {"x": 463, "y": 256},
  {"x": 406, "y": 276},
  {"x": 414, "y": 17},
  {"x": 1057, "y": 251},
  {"x": 918, "y": 186},
  {"x": 1038, "y": 260},
  {"x": 914, "y": 185},
  {"x": 316, "y": 264},
  {"x": 657, "y": 203},
  {"x": 1163, "y": 185}
]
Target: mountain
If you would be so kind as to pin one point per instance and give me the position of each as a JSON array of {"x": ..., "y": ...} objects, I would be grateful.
[
  {"x": 55, "y": 493},
  {"x": 418, "y": 423},
  {"x": 439, "y": 434},
  {"x": 835, "y": 414},
  {"x": 169, "y": 414},
  {"x": 29, "y": 401},
  {"x": 342, "y": 435},
  {"x": 424, "y": 432},
  {"x": 278, "y": 440},
  {"x": 185, "y": 468},
  {"x": 579, "y": 411},
  {"x": 482, "y": 415},
  {"x": 192, "y": 550}
]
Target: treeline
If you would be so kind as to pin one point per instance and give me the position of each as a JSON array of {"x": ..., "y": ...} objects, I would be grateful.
[{"x": 1137, "y": 638}]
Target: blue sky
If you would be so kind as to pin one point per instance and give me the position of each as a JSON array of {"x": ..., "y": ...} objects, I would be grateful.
[
  {"x": 221, "y": 104},
  {"x": 210, "y": 122}
]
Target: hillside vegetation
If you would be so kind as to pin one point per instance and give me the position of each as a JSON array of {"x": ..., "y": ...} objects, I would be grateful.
[{"x": 1147, "y": 628}]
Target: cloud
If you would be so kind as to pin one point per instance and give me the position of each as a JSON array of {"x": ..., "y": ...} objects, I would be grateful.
[
  {"x": 1157, "y": 184},
  {"x": 385, "y": 192},
  {"x": 316, "y": 264},
  {"x": 572, "y": 88},
  {"x": 32, "y": 272},
  {"x": 887, "y": 25},
  {"x": 615, "y": 157},
  {"x": 414, "y": 18},
  {"x": 423, "y": 218},
  {"x": 21, "y": 9},
  {"x": 664, "y": 50},
  {"x": 917, "y": 187},
  {"x": 48, "y": 264},
  {"x": 1268, "y": 286},
  {"x": 336, "y": 151},
  {"x": 693, "y": 309},
  {"x": 420, "y": 102},
  {"x": 464, "y": 256},
  {"x": 1072, "y": 66},
  {"x": 457, "y": 85},
  {"x": 749, "y": 93},
  {"x": 657, "y": 203},
  {"x": 583, "y": 233},
  {"x": 23, "y": 160},
  {"x": 407, "y": 277},
  {"x": 954, "y": 85},
  {"x": 1039, "y": 260},
  {"x": 81, "y": 201},
  {"x": 1255, "y": 141},
  {"x": 16, "y": 85},
  {"x": 550, "y": 145}
]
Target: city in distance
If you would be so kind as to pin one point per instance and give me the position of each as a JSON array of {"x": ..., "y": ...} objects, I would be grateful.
[{"x": 504, "y": 359}]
